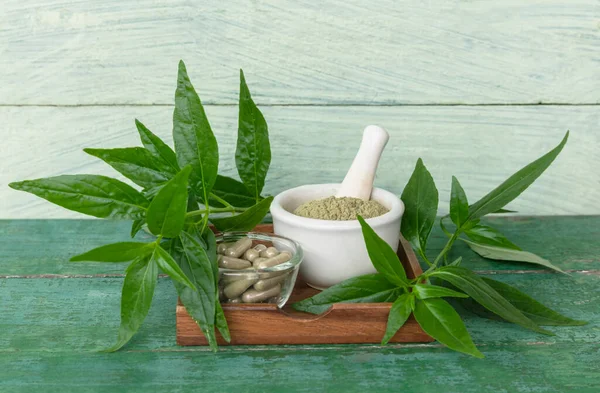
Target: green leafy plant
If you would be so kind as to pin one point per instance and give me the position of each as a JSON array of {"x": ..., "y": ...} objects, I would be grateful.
[
  {"x": 181, "y": 193},
  {"x": 423, "y": 295}
]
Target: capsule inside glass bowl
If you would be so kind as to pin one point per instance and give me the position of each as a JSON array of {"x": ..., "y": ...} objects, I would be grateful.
[{"x": 246, "y": 276}]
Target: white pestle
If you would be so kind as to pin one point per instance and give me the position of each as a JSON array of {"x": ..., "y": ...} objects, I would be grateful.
[{"x": 358, "y": 182}]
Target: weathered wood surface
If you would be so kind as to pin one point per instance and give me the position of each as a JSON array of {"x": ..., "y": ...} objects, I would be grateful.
[
  {"x": 482, "y": 146},
  {"x": 52, "y": 325},
  {"x": 43, "y": 247},
  {"x": 336, "y": 52}
]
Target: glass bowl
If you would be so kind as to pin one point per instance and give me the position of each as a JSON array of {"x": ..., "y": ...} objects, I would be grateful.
[{"x": 260, "y": 285}]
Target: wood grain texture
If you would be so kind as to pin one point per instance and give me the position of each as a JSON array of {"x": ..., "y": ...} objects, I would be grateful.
[
  {"x": 482, "y": 146},
  {"x": 82, "y": 314},
  {"x": 50, "y": 244},
  {"x": 346, "y": 369},
  {"x": 378, "y": 52},
  {"x": 343, "y": 323}
]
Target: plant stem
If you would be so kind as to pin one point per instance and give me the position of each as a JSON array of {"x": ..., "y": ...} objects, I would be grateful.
[
  {"x": 446, "y": 248},
  {"x": 223, "y": 202},
  {"x": 215, "y": 210},
  {"x": 422, "y": 254}
]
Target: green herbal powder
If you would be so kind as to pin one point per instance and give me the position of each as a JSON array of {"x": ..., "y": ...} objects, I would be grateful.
[{"x": 340, "y": 209}]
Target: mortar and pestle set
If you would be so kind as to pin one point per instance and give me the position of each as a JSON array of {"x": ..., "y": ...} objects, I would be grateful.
[{"x": 335, "y": 250}]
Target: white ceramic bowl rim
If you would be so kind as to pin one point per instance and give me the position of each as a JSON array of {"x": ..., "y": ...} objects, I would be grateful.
[{"x": 379, "y": 194}]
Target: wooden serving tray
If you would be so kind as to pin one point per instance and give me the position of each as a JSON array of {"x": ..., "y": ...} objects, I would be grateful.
[{"x": 343, "y": 323}]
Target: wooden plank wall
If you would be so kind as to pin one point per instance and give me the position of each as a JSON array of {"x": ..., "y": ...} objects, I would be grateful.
[{"x": 476, "y": 88}]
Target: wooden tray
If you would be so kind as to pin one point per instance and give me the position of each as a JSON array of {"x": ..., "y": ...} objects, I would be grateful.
[{"x": 343, "y": 323}]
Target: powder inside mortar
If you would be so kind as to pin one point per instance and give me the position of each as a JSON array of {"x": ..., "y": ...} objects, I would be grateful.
[{"x": 340, "y": 209}]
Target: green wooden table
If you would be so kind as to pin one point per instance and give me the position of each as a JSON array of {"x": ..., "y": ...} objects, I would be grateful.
[{"x": 55, "y": 315}]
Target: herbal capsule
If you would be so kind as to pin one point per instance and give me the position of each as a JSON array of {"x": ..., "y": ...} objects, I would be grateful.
[
  {"x": 251, "y": 255},
  {"x": 222, "y": 247},
  {"x": 276, "y": 260},
  {"x": 238, "y": 287},
  {"x": 254, "y": 296},
  {"x": 258, "y": 260},
  {"x": 263, "y": 285},
  {"x": 260, "y": 247},
  {"x": 236, "y": 300},
  {"x": 238, "y": 248},
  {"x": 269, "y": 252},
  {"x": 233, "y": 263}
]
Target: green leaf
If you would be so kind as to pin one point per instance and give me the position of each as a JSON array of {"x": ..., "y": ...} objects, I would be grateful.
[
  {"x": 136, "y": 298},
  {"x": 459, "y": 206},
  {"x": 195, "y": 142},
  {"x": 514, "y": 185},
  {"x": 170, "y": 267},
  {"x": 382, "y": 256},
  {"x": 399, "y": 314},
  {"x": 232, "y": 191},
  {"x": 253, "y": 151},
  {"x": 221, "y": 322},
  {"x": 95, "y": 195},
  {"x": 420, "y": 197},
  {"x": 116, "y": 252},
  {"x": 136, "y": 226},
  {"x": 442, "y": 322},
  {"x": 503, "y": 211},
  {"x": 157, "y": 147},
  {"x": 245, "y": 221},
  {"x": 135, "y": 163},
  {"x": 482, "y": 293},
  {"x": 530, "y": 307},
  {"x": 370, "y": 288},
  {"x": 456, "y": 262},
  {"x": 484, "y": 234},
  {"x": 426, "y": 291},
  {"x": 166, "y": 213},
  {"x": 506, "y": 254},
  {"x": 200, "y": 303}
]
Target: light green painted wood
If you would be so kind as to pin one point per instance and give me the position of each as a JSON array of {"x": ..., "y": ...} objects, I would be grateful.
[
  {"x": 482, "y": 146},
  {"x": 351, "y": 51},
  {"x": 43, "y": 247}
]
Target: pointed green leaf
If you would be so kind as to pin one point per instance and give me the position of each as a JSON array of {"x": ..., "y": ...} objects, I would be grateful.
[
  {"x": 245, "y": 221},
  {"x": 399, "y": 314},
  {"x": 484, "y": 234},
  {"x": 195, "y": 142},
  {"x": 168, "y": 265},
  {"x": 221, "y": 322},
  {"x": 383, "y": 257},
  {"x": 136, "y": 226},
  {"x": 166, "y": 213},
  {"x": 456, "y": 262},
  {"x": 426, "y": 291},
  {"x": 157, "y": 147},
  {"x": 370, "y": 288},
  {"x": 482, "y": 293},
  {"x": 233, "y": 192},
  {"x": 420, "y": 197},
  {"x": 507, "y": 254},
  {"x": 503, "y": 211},
  {"x": 135, "y": 163},
  {"x": 95, "y": 195},
  {"x": 200, "y": 303},
  {"x": 514, "y": 185},
  {"x": 530, "y": 307},
  {"x": 136, "y": 298},
  {"x": 253, "y": 151},
  {"x": 116, "y": 252},
  {"x": 459, "y": 206},
  {"x": 442, "y": 322}
]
